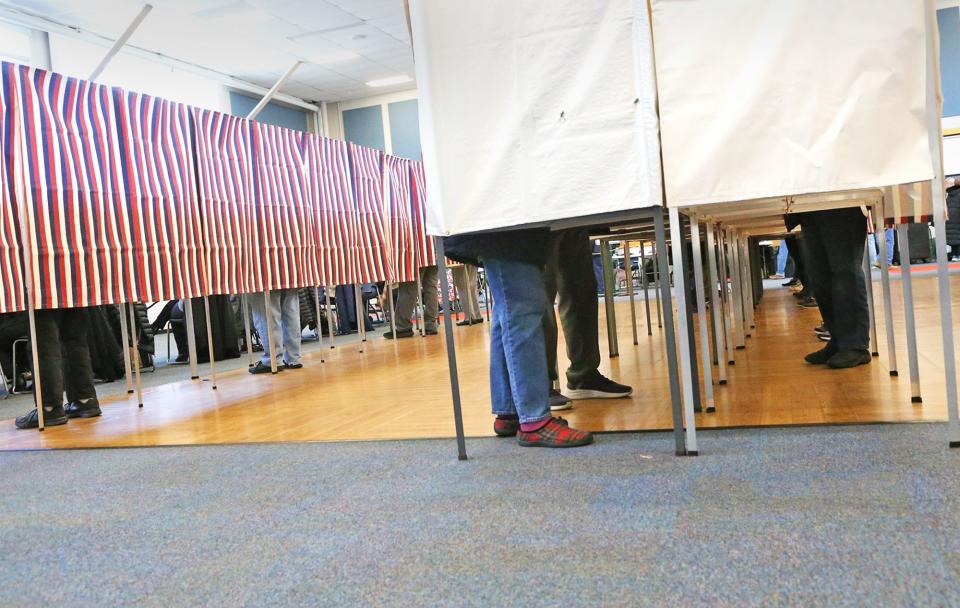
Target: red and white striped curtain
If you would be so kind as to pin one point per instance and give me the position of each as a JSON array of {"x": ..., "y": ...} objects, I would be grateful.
[
  {"x": 426, "y": 254},
  {"x": 403, "y": 248},
  {"x": 165, "y": 260},
  {"x": 331, "y": 196},
  {"x": 70, "y": 183},
  {"x": 371, "y": 251},
  {"x": 288, "y": 250},
  {"x": 224, "y": 165},
  {"x": 12, "y": 294}
]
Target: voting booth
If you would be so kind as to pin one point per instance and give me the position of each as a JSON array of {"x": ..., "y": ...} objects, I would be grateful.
[{"x": 761, "y": 107}]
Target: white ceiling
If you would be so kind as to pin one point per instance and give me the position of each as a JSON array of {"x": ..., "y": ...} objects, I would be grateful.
[{"x": 346, "y": 42}]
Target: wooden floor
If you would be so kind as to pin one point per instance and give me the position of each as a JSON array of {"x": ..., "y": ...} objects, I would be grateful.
[{"x": 399, "y": 390}]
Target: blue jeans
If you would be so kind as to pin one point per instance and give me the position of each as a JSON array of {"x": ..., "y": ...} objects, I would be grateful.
[
  {"x": 518, "y": 361},
  {"x": 782, "y": 255},
  {"x": 285, "y": 317},
  {"x": 875, "y": 246}
]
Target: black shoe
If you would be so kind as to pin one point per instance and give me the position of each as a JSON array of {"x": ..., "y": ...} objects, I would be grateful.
[
  {"x": 810, "y": 302},
  {"x": 849, "y": 358},
  {"x": 292, "y": 366},
  {"x": 430, "y": 332},
  {"x": 792, "y": 282},
  {"x": 401, "y": 333},
  {"x": 821, "y": 356},
  {"x": 260, "y": 368},
  {"x": 54, "y": 417},
  {"x": 559, "y": 401},
  {"x": 90, "y": 409},
  {"x": 821, "y": 329},
  {"x": 464, "y": 323},
  {"x": 824, "y": 337},
  {"x": 598, "y": 387},
  {"x": 802, "y": 294}
]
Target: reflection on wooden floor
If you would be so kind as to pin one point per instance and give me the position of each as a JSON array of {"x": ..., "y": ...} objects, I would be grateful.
[{"x": 399, "y": 390}]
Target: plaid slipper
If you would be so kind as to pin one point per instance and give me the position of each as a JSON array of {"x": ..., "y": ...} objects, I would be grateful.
[{"x": 555, "y": 434}]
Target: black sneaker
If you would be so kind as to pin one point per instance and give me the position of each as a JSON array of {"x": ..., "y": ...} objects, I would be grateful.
[
  {"x": 401, "y": 333},
  {"x": 90, "y": 409},
  {"x": 430, "y": 332},
  {"x": 792, "y": 282},
  {"x": 810, "y": 302},
  {"x": 292, "y": 366},
  {"x": 849, "y": 358},
  {"x": 559, "y": 401},
  {"x": 260, "y": 368},
  {"x": 821, "y": 356},
  {"x": 598, "y": 386},
  {"x": 54, "y": 417}
]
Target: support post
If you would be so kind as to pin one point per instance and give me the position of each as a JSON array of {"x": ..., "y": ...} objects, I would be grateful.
[
  {"x": 451, "y": 350},
  {"x": 706, "y": 364},
  {"x": 191, "y": 337},
  {"x": 671, "y": 339},
  {"x": 656, "y": 281},
  {"x": 35, "y": 352},
  {"x": 121, "y": 41},
  {"x": 628, "y": 267},
  {"x": 316, "y": 297},
  {"x": 686, "y": 378},
  {"x": 736, "y": 308},
  {"x": 361, "y": 320},
  {"x": 885, "y": 288},
  {"x": 871, "y": 309},
  {"x": 125, "y": 343},
  {"x": 910, "y": 320},
  {"x": 393, "y": 312},
  {"x": 646, "y": 290},
  {"x": 608, "y": 284},
  {"x": 213, "y": 359},
  {"x": 136, "y": 352},
  {"x": 716, "y": 306}
]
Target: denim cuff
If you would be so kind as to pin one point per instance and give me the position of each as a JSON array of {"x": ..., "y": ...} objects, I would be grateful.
[{"x": 537, "y": 419}]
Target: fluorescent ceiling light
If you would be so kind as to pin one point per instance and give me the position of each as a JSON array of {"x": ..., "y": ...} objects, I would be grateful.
[{"x": 386, "y": 82}]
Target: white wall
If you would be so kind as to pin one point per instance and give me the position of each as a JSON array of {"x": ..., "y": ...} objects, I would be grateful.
[{"x": 74, "y": 57}]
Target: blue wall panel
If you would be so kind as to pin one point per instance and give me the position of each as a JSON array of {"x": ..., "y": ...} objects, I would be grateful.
[
  {"x": 364, "y": 126},
  {"x": 405, "y": 129},
  {"x": 273, "y": 114}
]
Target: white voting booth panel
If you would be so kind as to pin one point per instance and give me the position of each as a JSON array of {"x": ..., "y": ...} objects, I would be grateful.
[
  {"x": 761, "y": 98},
  {"x": 535, "y": 110}
]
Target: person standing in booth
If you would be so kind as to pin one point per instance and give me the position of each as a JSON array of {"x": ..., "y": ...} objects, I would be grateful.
[
  {"x": 569, "y": 275},
  {"x": 513, "y": 262},
  {"x": 407, "y": 302},
  {"x": 284, "y": 317},
  {"x": 833, "y": 243},
  {"x": 64, "y": 364}
]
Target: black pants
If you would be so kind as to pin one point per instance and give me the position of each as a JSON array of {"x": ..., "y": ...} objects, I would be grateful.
[
  {"x": 795, "y": 246},
  {"x": 569, "y": 274},
  {"x": 833, "y": 243},
  {"x": 64, "y": 356}
]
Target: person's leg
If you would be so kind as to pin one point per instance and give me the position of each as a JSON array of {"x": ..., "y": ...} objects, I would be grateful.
[
  {"x": 872, "y": 249},
  {"x": 577, "y": 291},
  {"x": 260, "y": 320},
  {"x": 890, "y": 245},
  {"x": 460, "y": 282},
  {"x": 292, "y": 330},
  {"x": 550, "y": 333},
  {"x": 78, "y": 369},
  {"x": 521, "y": 298},
  {"x": 501, "y": 399},
  {"x": 844, "y": 234},
  {"x": 473, "y": 297},
  {"x": 817, "y": 264},
  {"x": 50, "y": 367},
  {"x": 429, "y": 282},
  {"x": 403, "y": 308},
  {"x": 782, "y": 255}
]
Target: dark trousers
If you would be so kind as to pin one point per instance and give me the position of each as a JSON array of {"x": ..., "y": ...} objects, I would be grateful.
[
  {"x": 64, "y": 356},
  {"x": 833, "y": 243},
  {"x": 795, "y": 247},
  {"x": 569, "y": 274}
]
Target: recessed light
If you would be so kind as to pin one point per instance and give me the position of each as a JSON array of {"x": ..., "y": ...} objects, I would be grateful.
[{"x": 386, "y": 82}]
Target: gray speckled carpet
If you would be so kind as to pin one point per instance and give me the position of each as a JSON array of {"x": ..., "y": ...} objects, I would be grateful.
[{"x": 866, "y": 515}]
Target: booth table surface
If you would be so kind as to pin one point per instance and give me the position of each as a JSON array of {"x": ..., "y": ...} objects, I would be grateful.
[{"x": 400, "y": 390}]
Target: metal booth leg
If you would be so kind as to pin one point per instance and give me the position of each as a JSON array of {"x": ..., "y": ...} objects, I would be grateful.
[
  {"x": 608, "y": 279},
  {"x": 868, "y": 280},
  {"x": 706, "y": 364},
  {"x": 907, "y": 284},
  {"x": 686, "y": 367},
  {"x": 125, "y": 342},
  {"x": 716, "y": 307},
  {"x": 885, "y": 287},
  {"x": 671, "y": 339},
  {"x": 451, "y": 350}
]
